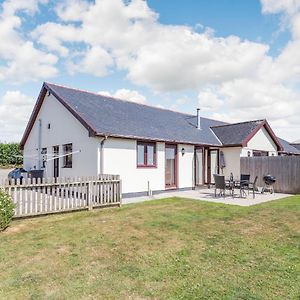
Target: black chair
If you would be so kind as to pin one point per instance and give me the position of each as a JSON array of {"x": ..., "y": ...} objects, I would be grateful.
[
  {"x": 243, "y": 184},
  {"x": 245, "y": 178},
  {"x": 221, "y": 185},
  {"x": 252, "y": 186}
]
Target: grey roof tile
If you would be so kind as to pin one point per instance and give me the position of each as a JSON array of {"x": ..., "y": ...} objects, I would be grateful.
[
  {"x": 117, "y": 117},
  {"x": 235, "y": 134},
  {"x": 288, "y": 148}
]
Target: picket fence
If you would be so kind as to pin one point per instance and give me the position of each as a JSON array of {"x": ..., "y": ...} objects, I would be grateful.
[{"x": 33, "y": 197}]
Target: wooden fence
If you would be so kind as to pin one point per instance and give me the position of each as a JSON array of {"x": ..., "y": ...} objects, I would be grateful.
[
  {"x": 286, "y": 169},
  {"x": 34, "y": 197}
]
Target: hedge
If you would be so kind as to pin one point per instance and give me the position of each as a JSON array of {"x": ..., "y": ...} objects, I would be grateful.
[{"x": 10, "y": 154}]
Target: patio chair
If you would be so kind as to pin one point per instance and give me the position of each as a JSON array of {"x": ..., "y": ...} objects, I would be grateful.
[
  {"x": 243, "y": 184},
  {"x": 221, "y": 185},
  {"x": 252, "y": 186}
]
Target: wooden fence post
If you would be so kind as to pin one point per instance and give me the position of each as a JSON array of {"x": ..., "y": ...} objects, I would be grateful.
[
  {"x": 120, "y": 190},
  {"x": 89, "y": 194}
]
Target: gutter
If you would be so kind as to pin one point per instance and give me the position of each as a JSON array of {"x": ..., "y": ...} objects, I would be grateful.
[{"x": 39, "y": 143}]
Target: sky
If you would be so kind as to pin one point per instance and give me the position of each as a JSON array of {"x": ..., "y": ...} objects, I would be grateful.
[{"x": 236, "y": 60}]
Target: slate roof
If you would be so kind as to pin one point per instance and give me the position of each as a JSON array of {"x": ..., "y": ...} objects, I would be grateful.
[
  {"x": 115, "y": 117},
  {"x": 103, "y": 115},
  {"x": 235, "y": 134},
  {"x": 297, "y": 146},
  {"x": 289, "y": 148}
]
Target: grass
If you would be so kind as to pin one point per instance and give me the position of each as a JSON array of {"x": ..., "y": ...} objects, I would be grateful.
[{"x": 166, "y": 249}]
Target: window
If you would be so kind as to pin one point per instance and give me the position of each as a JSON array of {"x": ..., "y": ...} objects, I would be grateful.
[
  {"x": 68, "y": 157},
  {"x": 146, "y": 154},
  {"x": 260, "y": 153},
  {"x": 44, "y": 157}
]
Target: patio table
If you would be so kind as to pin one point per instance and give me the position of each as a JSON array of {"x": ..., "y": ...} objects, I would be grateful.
[{"x": 240, "y": 184}]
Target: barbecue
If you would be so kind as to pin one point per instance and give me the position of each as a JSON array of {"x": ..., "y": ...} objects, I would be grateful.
[{"x": 269, "y": 181}]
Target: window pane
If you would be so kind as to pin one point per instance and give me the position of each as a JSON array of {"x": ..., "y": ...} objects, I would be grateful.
[
  {"x": 199, "y": 166},
  {"x": 140, "y": 155},
  {"x": 170, "y": 153},
  {"x": 68, "y": 158},
  {"x": 150, "y": 155}
]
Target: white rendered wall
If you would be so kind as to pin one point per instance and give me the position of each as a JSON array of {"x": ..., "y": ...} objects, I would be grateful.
[
  {"x": 186, "y": 166},
  {"x": 120, "y": 157},
  {"x": 232, "y": 161},
  {"x": 65, "y": 128},
  {"x": 261, "y": 141}
]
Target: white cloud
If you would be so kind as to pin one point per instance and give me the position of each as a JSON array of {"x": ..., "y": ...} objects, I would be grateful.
[
  {"x": 10, "y": 7},
  {"x": 71, "y": 10},
  {"x": 277, "y": 6},
  {"x": 246, "y": 99},
  {"x": 161, "y": 57},
  {"x": 20, "y": 60},
  {"x": 125, "y": 94},
  {"x": 236, "y": 79},
  {"x": 209, "y": 99},
  {"x": 96, "y": 61},
  {"x": 15, "y": 110}
]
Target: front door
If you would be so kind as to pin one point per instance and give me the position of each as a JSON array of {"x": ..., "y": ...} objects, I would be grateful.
[
  {"x": 171, "y": 166},
  {"x": 56, "y": 162}
]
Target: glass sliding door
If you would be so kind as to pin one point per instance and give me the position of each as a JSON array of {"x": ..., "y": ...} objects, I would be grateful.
[
  {"x": 170, "y": 166},
  {"x": 214, "y": 164},
  {"x": 199, "y": 166}
]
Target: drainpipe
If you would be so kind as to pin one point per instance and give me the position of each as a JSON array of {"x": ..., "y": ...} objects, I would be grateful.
[
  {"x": 39, "y": 144},
  {"x": 102, "y": 154},
  {"x": 198, "y": 119}
]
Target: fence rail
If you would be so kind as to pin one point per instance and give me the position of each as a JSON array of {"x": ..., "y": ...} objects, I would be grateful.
[
  {"x": 34, "y": 197},
  {"x": 286, "y": 169}
]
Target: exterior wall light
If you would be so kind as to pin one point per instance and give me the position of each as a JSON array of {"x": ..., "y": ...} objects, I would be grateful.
[
  {"x": 249, "y": 153},
  {"x": 182, "y": 151}
]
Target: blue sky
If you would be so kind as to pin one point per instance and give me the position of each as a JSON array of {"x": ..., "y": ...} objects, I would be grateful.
[{"x": 237, "y": 60}]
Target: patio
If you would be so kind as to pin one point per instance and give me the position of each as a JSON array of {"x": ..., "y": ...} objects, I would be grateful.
[{"x": 208, "y": 195}]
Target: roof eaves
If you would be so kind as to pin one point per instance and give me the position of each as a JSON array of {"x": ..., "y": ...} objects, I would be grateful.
[{"x": 135, "y": 137}]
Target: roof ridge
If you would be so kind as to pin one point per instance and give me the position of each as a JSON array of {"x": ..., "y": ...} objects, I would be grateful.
[{"x": 244, "y": 122}]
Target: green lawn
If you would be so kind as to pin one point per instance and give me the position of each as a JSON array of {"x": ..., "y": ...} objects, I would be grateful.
[{"x": 167, "y": 249}]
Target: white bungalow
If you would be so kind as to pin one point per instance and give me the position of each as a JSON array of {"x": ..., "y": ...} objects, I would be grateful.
[{"x": 77, "y": 133}]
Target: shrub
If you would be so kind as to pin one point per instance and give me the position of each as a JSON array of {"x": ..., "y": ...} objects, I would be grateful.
[
  {"x": 10, "y": 154},
  {"x": 6, "y": 209}
]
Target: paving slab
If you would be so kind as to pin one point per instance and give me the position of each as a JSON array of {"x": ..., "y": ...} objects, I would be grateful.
[{"x": 208, "y": 195}]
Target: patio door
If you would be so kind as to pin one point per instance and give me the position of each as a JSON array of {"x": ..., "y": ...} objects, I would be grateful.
[
  {"x": 170, "y": 166},
  {"x": 212, "y": 164},
  {"x": 199, "y": 166}
]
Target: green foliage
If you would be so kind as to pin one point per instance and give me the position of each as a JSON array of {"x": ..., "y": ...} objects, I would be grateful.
[
  {"x": 10, "y": 154},
  {"x": 6, "y": 210}
]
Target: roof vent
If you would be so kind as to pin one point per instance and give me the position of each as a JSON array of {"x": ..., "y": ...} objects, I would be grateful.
[{"x": 198, "y": 119}]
